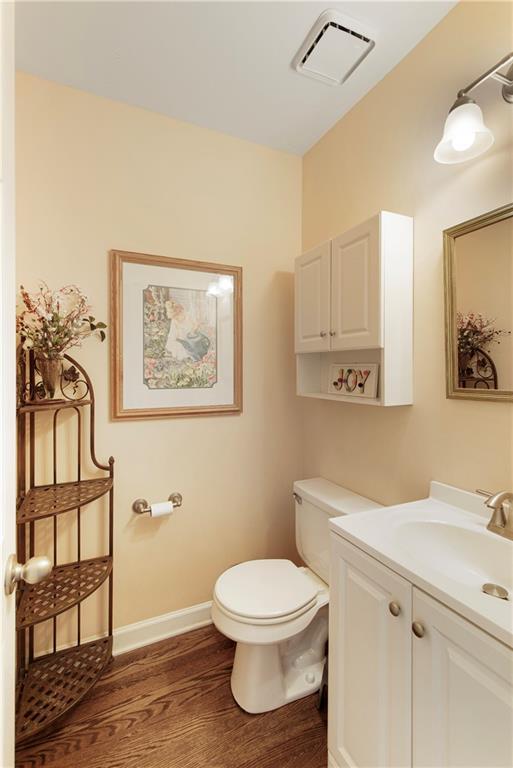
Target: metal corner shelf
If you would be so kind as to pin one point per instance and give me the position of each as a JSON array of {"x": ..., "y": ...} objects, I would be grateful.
[
  {"x": 49, "y": 685},
  {"x": 54, "y": 683},
  {"x": 48, "y": 500},
  {"x": 66, "y": 586},
  {"x": 52, "y": 405}
]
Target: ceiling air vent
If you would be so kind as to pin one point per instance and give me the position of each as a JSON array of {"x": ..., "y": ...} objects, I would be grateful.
[{"x": 335, "y": 46}]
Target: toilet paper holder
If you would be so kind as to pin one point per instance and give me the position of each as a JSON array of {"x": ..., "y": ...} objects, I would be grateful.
[{"x": 141, "y": 506}]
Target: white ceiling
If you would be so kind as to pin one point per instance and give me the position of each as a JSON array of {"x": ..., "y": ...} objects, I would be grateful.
[{"x": 222, "y": 65}]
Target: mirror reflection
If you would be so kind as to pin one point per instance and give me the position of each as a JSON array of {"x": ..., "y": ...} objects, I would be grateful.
[
  {"x": 479, "y": 268},
  {"x": 484, "y": 306}
]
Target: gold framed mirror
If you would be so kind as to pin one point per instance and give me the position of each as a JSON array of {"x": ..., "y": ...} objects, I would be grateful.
[{"x": 478, "y": 271}]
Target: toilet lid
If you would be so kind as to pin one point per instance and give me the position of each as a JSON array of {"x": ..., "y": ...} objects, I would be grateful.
[{"x": 264, "y": 589}]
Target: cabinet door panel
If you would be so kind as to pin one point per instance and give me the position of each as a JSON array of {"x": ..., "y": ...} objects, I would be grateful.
[
  {"x": 370, "y": 670},
  {"x": 312, "y": 297},
  {"x": 462, "y": 692},
  {"x": 356, "y": 304}
]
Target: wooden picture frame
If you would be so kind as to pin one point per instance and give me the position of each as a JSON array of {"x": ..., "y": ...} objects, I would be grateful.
[{"x": 176, "y": 337}]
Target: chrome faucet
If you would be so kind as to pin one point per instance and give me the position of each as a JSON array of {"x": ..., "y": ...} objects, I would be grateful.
[{"x": 501, "y": 521}]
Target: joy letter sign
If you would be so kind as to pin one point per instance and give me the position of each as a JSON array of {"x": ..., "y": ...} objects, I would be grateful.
[{"x": 354, "y": 379}]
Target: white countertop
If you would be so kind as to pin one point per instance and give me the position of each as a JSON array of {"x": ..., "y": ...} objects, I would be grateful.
[{"x": 441, "y": 545}]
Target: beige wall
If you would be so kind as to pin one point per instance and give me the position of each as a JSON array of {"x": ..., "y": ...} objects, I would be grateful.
[
  {"x": 380, "y": 156},
  {"x": 93, "y": 174}
]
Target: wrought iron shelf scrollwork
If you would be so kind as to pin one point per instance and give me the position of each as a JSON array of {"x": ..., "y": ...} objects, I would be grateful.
[{"x": 477, "y": 371}]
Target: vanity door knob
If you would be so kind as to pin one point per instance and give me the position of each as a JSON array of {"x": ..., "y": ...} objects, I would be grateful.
[
  {"x": 394, "y": 608},
  {"x": 418, "y": 629},
  {"x": 323, "y": 334},
  {"x": 333, "y": 333}
]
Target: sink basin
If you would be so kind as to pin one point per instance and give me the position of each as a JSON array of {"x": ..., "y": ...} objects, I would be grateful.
[
  {"x": 442, "y": 546},
  {"x": 468, "y": 555}
]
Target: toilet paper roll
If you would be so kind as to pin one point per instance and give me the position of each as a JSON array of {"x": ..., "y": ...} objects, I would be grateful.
[{"x": 161, "y": 509}]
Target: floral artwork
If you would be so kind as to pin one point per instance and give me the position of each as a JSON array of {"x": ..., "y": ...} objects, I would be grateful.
[
  {"x": 176, "y": 337},
  {"x": 180, "y": 338}
]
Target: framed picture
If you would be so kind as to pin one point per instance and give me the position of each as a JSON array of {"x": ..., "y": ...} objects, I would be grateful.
[
  {"x": 353, "y": 379},
  {"x": 176, "y": 334}
]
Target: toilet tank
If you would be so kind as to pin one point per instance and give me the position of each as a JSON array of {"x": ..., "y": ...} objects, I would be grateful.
[{"x": 317, "y": 500}]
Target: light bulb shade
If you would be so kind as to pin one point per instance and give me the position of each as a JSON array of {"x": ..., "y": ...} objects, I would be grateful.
[{"x": 465, "y": 135}]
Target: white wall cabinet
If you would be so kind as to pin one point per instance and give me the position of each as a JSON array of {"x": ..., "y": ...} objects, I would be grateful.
[
  {"x": 354, "y": 303},
  {"x": 356, "y": 300},
  {"x": 444, "y": 699},
  {"x": 312, "y": 287}
]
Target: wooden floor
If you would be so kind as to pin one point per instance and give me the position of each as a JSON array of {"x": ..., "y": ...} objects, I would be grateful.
[{"x": 169, "y": 706}]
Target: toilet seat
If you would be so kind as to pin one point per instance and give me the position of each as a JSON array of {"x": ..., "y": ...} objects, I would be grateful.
[
  {"x": 263, "y": 622},
  {"x": 265, "y": 592}
]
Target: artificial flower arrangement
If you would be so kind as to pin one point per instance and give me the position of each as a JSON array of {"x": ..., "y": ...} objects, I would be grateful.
[
  {"x": 50, "y": 323},
  {"x": 476, "y": 332}
]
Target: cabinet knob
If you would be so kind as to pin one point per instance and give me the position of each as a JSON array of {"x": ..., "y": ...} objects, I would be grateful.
[
  {"x": 418, "y": 629},
  {"x": 333, "y": 333},
  {"x": 323, "y": 334},
  {"x": 394, "y": 608}
]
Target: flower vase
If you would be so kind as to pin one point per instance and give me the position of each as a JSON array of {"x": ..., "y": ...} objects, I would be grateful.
[{"x": 49, "y": 369}]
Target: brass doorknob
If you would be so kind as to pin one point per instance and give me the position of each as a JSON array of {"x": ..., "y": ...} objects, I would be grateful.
[
  {"x": 418, "y": 629},
  {"x": 394, "y": 608},
  {"x": 33, "y": 571}
]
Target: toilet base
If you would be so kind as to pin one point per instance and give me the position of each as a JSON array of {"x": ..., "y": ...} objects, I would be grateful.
[{"x": 265, "y": 677}]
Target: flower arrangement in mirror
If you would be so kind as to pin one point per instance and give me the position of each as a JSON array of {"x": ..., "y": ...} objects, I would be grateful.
[
  {"x": 476, "y": 333},
  {"x": 49, "y": 324}
]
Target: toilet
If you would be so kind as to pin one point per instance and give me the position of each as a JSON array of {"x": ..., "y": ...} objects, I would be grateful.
[{"x": 277, "y": 612}]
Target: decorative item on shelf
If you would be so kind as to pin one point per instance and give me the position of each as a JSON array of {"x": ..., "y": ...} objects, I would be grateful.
[
  {"x": 49, "y": 368},
  {"x": 353, "y": 379},
  {"x": 176, "y": 337},
  {"x": 476, "y": 368},
  {"x": 49, "y": 323}
]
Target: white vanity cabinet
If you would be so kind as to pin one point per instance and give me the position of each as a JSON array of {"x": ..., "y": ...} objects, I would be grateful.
[
  {"x": 462, "y": 692},
  {"x": 354, "y": 304},
  {"x": 444, "y": 698},
  {"x": 369, "y": 711}
]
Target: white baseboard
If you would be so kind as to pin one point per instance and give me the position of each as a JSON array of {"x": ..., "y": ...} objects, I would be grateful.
[
  {"x": 161, "y": 627},
  {"x": 331, "y": 761},
  {"x": 145, "y": 632}
]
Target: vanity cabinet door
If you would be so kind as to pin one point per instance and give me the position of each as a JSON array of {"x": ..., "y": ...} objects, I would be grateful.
[
  {"x": 312, "y": 300},
  {"x": 462, "y": 692},
  {"x": 356, "y": 304},
  {"x": 369, "y": 713}
]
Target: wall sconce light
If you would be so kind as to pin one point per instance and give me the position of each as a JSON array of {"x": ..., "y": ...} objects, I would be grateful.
[{"x": 465, "y": 133}]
